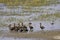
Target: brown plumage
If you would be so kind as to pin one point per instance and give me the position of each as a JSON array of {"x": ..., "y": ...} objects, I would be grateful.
[
  {"x": 30, "y": 26},
  {"x": 23, "y": 28},
  {"x": 11, "y": 28}
]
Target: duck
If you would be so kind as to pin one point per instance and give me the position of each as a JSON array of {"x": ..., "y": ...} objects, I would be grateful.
[
  {"x": 31, "y": 27},
  {"x": 42, "y": 27}
]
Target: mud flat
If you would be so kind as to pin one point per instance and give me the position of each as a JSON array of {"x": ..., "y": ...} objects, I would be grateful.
[{"x": 41, "y": 35}]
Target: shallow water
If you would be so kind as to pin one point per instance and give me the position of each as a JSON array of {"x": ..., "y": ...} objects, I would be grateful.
[
  {"x": 36, "y": 26},
  {"x": 6, "y": 38}
]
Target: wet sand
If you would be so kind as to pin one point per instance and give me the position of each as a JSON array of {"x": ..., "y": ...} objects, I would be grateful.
[{"x": 48, "y": 35}]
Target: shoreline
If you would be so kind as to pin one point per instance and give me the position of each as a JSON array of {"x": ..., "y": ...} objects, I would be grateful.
[
  {"x": 39, "y": 34},
  {"x": 44, "y": 35}
]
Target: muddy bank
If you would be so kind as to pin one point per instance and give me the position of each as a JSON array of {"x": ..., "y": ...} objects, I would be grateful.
[
  {"x": 41, "y": 35},
  {"x": 31, "y": 34}
]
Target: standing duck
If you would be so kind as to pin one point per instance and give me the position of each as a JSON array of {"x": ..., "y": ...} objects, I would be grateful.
[
  {"x": 42, "y": 27},
  {"x": 11, "y": 27},
  {"x": 31, "y": 27}
]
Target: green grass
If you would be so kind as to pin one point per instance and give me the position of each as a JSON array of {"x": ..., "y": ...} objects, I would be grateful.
[
  {"x": 49, "y": 17},
  {"x": 29, "y": 2},
  {"x": 57, "y": 15}
]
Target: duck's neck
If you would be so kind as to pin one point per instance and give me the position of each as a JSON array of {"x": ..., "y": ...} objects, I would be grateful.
[{"x": 40, "y": 25}]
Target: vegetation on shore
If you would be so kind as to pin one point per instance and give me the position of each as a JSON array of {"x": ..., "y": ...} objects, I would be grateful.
[
  {"x": 29, "y": 2},
  {"x": 49, "y": 17},
  {"x": 44, "y": 17}
]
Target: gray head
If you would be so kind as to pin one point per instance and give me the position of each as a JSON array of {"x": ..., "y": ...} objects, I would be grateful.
[{"x": 40, "y": 24}]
